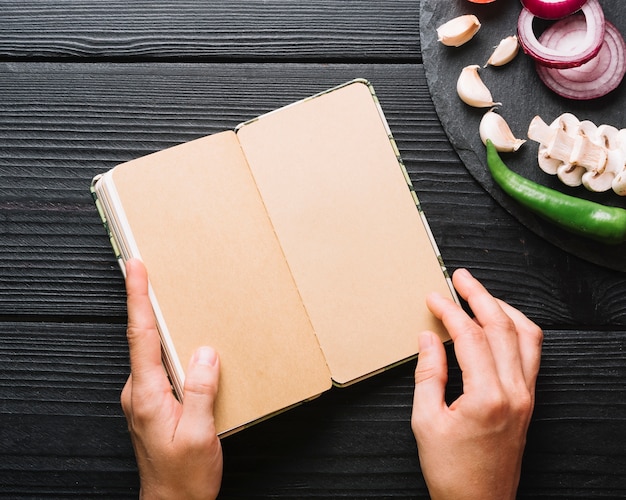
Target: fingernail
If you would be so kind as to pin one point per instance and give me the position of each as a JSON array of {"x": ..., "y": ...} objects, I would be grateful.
[
  {"x": 463, "y": 272},
  {"x": 425, "y": 340},
  {"x": 434, "y": 296},
  {"x": 205, "y": 356}
]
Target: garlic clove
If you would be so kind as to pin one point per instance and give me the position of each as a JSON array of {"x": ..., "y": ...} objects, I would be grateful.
[
  {"x": 505, "y": 52},
  {"x": 472, "y": 90},
  {"x": 458, "y": 31},
  {"x": 494, "y": 127}
]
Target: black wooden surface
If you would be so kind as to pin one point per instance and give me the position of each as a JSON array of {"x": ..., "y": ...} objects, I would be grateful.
[{"x": 85, "y": 85}]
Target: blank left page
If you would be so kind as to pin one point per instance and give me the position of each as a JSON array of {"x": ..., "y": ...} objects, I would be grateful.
[{"x": 220, "y": 277}]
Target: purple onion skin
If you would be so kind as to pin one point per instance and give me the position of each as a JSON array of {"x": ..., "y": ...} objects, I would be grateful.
[{"x": 552, "y": 9}]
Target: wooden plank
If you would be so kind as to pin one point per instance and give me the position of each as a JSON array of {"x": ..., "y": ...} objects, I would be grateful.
[
  {"x": 326, "y": 30},
  {"x": 62, "y": 433},
  {"x": 60, "y": 124}
]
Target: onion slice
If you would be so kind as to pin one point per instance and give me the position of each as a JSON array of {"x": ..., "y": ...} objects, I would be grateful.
[
  {"x": 552, "y": 58},
  {"x": 593, "y": 79},
  {"x": 552, "y": 9}
]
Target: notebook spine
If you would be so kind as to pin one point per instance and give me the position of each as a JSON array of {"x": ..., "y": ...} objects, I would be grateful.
[{"x": 105, "y": 223}]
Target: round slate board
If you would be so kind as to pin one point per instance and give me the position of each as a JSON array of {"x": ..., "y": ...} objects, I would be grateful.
[{"x": 517, "y": 86}]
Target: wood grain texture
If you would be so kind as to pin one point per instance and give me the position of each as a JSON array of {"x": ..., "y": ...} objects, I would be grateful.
[
  {"x": 86, "y": 85},
  {"x": 60, "y": 124},
  {"x": 323, "y": 30},
  {"x": 62, "y": 433}
]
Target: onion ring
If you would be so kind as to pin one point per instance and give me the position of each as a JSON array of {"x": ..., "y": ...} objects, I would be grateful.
[
  {"x": 552, "y": 9},
  {"x": 594, "y": 36},
  {"x": 593, "y": 79}
]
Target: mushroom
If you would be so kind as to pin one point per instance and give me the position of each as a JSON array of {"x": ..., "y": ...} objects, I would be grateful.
[
  {"x": 579, "y": 152},
  {"x": 570, "y": 175},
  {"x": 546, "y": 163},
  {"x": 619, "y": 183}
]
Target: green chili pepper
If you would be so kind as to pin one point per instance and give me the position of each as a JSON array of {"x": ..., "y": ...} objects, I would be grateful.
[{"x": 583, "y": 217}]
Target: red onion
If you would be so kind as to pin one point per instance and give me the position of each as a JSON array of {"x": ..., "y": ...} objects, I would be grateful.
[
  {"x": 552, "y": 9},
  {"x": 593, "y": 79},
  {"x": 586, "y": 50}
]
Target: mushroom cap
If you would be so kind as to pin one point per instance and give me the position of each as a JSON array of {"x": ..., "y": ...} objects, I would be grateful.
[
  {"x": 619, "y": 183},
  {"x": 608, "y": 136},
  {"x": 568, "y": 122},
  {"x": 598, "y": 182},
  {"x": 570, "y": 175},
  {"x": 547, "y": 164}
]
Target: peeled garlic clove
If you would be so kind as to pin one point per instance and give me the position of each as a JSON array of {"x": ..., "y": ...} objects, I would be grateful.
[
  {"x": 472, "y": 90},
  {"x": 505, "y": 52},
  {"x": 458, "y": 31},
  {"x": 494, "y": 127}
]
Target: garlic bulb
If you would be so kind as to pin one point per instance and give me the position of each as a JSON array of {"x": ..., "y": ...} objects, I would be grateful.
[
  {"x": 472, "y": 90},
  {"x": 458, "y": 31},
  {"x": 494, "y": 127},
  {"x": 505, "y": 52}
]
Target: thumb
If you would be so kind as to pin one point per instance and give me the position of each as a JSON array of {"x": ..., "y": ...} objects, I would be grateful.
[
  {"x": 200, "y": 389},
  {"x": 431, "y": 375}
]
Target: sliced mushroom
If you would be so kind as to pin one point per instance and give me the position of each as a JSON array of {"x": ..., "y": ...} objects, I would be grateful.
[
  {"x": 579, "y": 152},
  {"x": 546, "y": 163},
  {"x": 570, "y": 175},
  {"x": 619, "y": 183},
  {"x": 598, "y": 182}
]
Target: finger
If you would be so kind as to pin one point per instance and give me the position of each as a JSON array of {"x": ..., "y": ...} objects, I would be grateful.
[
  {"x": 199, "y": 393},
  {"x": 530, "y": 339},
  {"x": 125, "y": 397},
  {"x": 470, "y": 344},
  {"x": 431, "y": 376},
  {"x": 143, "y": 337},
  {"x": 499, "y": 328}
]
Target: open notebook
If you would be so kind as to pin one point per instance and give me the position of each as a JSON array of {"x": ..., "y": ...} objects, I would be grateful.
[{"x": 294, "y": 245}]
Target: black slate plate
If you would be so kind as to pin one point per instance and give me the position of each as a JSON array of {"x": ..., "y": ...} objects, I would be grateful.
[{"x": 523, "y": 96}]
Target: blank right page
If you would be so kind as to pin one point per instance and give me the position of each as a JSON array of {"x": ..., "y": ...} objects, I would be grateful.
[{"x": 352, "y": 235}]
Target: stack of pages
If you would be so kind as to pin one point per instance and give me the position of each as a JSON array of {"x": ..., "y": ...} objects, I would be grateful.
[{"x": 294, "y": 245}]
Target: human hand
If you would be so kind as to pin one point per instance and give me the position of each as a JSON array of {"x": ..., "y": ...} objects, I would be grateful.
[
  {"x": 473, "y": 448},
  {"x": 178, "y": 452}
]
